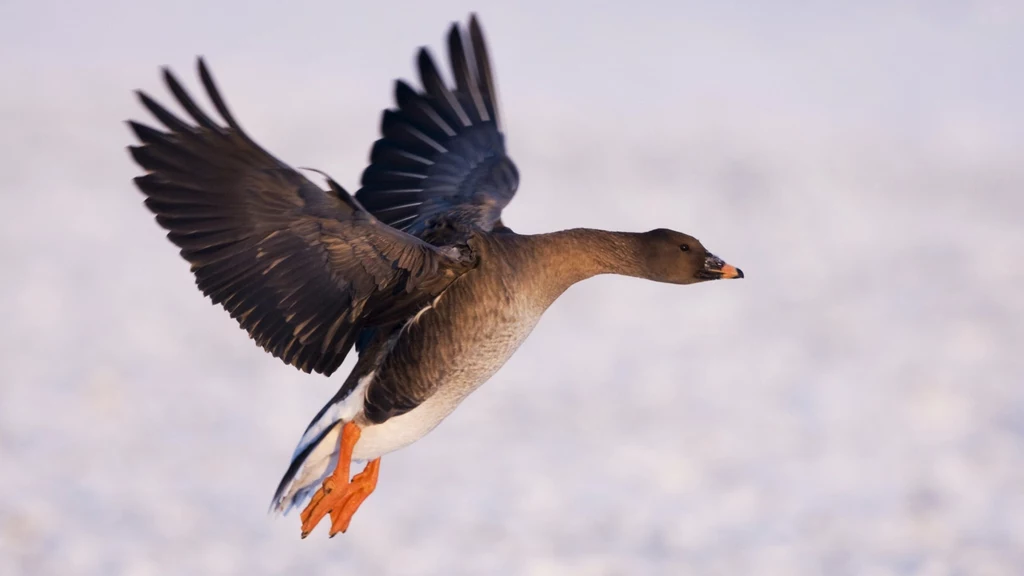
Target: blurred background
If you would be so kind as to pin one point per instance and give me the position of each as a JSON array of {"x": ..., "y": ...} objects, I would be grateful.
[{"x": 854, "y": 406}]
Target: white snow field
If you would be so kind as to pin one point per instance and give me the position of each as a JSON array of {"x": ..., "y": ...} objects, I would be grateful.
[{"x": 855, "y": 406}]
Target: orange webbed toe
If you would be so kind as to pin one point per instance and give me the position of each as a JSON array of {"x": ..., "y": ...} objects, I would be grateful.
[{"x": 338, "y": 495}]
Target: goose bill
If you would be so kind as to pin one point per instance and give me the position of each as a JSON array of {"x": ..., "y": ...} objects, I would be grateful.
[{"x": 715, "y": 268}]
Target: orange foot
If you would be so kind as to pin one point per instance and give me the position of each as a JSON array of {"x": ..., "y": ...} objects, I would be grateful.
[{"x": 339, "y": 496}]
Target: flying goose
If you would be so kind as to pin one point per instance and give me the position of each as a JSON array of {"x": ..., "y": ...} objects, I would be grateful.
[{"x": 417, "y": 272}]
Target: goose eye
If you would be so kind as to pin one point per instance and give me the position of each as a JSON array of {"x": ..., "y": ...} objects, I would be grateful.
[{"x": 684, "y": 247}]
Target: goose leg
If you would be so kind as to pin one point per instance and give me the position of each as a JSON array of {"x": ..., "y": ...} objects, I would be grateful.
[{"x": 339, "y": 496}]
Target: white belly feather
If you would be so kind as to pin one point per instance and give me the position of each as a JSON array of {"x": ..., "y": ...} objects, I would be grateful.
[{"x": 400, "y": 431}]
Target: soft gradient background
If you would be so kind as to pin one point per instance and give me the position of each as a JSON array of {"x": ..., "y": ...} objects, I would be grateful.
[{"x": 855, "y": 406}]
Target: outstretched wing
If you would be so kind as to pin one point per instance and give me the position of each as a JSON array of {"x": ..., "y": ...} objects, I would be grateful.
[
  {"x": 301, "y": 269},
  {"x": 442, "y": 153}
]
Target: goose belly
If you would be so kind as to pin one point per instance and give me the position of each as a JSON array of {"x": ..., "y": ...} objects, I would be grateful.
[
  {"x": 400, "y": 431},
  {"x": 479, "y": 355}
]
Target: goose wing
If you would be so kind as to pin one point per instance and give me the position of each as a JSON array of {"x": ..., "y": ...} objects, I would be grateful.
[
  {"x": 302, "y": 270},
  {"x": 442, "y": 153}
]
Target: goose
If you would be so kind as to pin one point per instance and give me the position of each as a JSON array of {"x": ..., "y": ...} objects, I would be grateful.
[{"x": 416, "y": 271}]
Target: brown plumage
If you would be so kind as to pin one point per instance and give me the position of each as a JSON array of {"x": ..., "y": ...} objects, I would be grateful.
[{"x": 417, "y": 270}]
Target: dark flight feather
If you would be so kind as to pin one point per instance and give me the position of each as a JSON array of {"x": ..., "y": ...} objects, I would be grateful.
[
  {"x": 441, "y": 157},
  {"x": 303, "y": 270}
]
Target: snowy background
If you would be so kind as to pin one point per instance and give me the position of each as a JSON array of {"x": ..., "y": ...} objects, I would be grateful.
[{"x": 854, "y": 406}]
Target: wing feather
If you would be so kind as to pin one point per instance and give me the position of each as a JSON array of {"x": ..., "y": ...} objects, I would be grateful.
[
  {"x": 301, "y": 269},
  {"x": 442, "y": 153}
]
